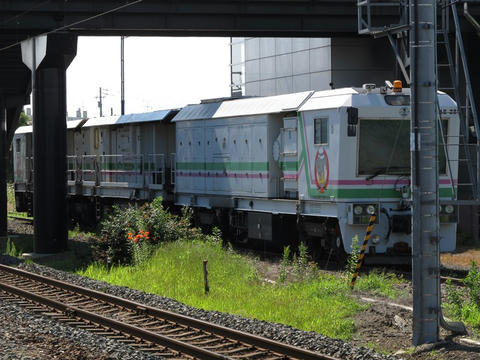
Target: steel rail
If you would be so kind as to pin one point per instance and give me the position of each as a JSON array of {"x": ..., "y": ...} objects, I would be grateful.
[
  {"x": 21, "y": 218},
  {"x": 258, "y": 341},
  {"x": 114, "y": 324}
]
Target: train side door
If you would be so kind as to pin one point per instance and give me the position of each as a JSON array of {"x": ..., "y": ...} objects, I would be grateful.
[
  {"x": 289, "y": 156},
  {"x": 209, "y": 153},
  {"x": 198, "y": 151},
  {"x": 245, "y": 157},
  {"x": 259, "y": 170}
]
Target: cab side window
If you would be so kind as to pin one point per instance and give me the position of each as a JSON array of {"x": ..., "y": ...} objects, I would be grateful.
[{"x": 321, "y": 131}]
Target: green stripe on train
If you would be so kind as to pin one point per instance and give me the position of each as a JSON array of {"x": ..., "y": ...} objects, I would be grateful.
[{"x": 289, "y": 166}]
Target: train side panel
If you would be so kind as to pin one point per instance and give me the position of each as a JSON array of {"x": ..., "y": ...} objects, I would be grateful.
[{"x": 230, "y": 156}]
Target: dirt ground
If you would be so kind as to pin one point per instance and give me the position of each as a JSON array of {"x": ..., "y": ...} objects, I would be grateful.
[
  {"x": 460, "y": 259},
  {"x": 388, "y": 328}
]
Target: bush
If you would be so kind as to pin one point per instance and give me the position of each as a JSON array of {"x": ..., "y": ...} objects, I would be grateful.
[
  {"x": 472, "y": 282},
  {"x": 464, "y": 303},
  {"x": 115, "y": 245},
  {"x": 111, "y": 245}
]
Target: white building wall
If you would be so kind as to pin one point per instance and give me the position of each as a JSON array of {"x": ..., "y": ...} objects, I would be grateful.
[{"x": 274, "y": 66}]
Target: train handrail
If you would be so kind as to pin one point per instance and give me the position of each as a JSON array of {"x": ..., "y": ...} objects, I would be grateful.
[
  {"x": 173, "y": 168},
  {"x": 121, "y": 168},
  {"x": 142, "y": 170},
  {"x": 155, "y": 168}
]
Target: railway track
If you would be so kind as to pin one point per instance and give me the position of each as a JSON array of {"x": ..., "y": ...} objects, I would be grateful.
[
  {"x": 28, "y": 220},
  {"x": 156, "y": 331}
]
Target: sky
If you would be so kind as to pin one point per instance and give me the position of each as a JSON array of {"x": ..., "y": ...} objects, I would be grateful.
[{"x": 160, "y": 73}]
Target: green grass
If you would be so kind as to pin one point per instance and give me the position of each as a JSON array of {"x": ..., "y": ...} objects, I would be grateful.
[
  {"x": 10, "y": 197},
  {"x": 323, "y": 304},
  {"x": 22, "y": 243},
  {"x": 11, "y": 207},
  {"x": 463, "y": 303},
  {"x": 380, "y": 283}
]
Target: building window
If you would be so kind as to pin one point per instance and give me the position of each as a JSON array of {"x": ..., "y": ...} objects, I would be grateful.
[{"x": 321, "y": 131}]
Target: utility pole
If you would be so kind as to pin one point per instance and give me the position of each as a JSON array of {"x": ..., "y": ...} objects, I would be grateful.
[
  {"x": 425, "y": 217},
  {"x": 100, "y": 98},
  {"x": 427, "y": 309},
  {"x": 122, "y": 74}
]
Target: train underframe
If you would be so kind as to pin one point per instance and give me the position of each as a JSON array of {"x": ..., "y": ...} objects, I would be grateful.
[{"x": 258, "y": 230}]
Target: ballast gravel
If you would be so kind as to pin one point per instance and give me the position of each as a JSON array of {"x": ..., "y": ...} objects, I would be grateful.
[
  {"x": 27, "y": 335},
  {"x": 308, "y": 340}
]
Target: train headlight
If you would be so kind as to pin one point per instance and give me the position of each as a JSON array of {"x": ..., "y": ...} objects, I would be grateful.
[
  {"x": 357, "y": 209},
  {"x": 371, "y": 209},
  {"x": 448, "y": 214},
  {"x": 361, "y": 213}
]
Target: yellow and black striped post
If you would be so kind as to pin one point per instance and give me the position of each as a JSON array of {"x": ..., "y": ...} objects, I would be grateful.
[{"x": 364, "y": 248}]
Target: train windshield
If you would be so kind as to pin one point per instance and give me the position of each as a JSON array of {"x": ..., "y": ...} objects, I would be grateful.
[{"x": 384, "y": 147}]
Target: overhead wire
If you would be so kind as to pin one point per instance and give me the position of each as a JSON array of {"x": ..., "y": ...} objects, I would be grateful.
[{"x": 65, "y": 27}]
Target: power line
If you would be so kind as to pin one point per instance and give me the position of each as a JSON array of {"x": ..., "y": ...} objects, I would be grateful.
[{"x": 65, "y": 27}]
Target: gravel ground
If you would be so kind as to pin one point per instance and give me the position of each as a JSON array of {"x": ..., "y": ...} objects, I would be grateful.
[
  {"x": 287, "y": 334},
  {"x": 27, "y": 335},
  {"x": 382, "y": 327}
]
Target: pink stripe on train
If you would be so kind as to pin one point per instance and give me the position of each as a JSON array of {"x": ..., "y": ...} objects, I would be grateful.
[{"x": 384, "y": 182}]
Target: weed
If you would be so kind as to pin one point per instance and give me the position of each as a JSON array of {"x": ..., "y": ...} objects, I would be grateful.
[
  {"x": 353, "y": 257},
  {"x": 380, "y": 283},
  {"x": 377, "y": 347},
  {"x": 11, "y": 249},
  {"x": 300, "y": 263},
  {"x": 472, "y": 282},
  {"x": 11, "y": 204},
  {"x": 283, "y": 273},
  {"x": 464, "y": 303},
  {"x": 455, "y": 299}
]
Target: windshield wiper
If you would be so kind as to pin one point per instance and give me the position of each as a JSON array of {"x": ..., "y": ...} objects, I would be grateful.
[{"x": 383, "y": 170}]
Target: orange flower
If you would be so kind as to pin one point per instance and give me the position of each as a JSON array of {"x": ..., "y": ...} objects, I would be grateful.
[
  {"x": 130, "y": 236},
  {"x": 146, "y": 234},
  {"x": 135, "y": 240}
]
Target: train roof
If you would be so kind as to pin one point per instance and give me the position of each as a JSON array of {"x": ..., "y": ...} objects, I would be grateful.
[
  {"x": 159, "y": 115},
  {"x": 243, "y": 107},
  {"x": 330, "y": 99},
  {"x": 73, "y": 124},
  {"x": 303, "y": 101},
  {"x": 24, "y": 129}
]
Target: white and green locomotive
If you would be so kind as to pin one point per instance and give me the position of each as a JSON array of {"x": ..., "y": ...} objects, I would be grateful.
[
  {"x": 311, "y": 166},
  {"x": 316, "y": 162}
]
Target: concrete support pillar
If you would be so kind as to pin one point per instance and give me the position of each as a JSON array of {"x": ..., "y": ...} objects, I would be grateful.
[
  {"x": 425, "y": 225},
  {"x": 49, "y": 145},
  {"x": 3, "y": 169}
]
